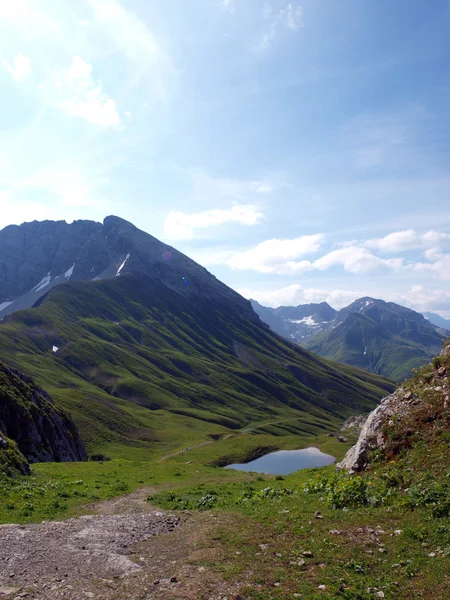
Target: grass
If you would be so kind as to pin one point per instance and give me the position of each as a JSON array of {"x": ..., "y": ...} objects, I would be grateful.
[
  {"x": 314, "y": 534},
  {"x": 145, "y": 371},
  {"x": 60, "y": 490},
  {"x": 321, "y": 534},
  {"x": 368, "y": 344}
]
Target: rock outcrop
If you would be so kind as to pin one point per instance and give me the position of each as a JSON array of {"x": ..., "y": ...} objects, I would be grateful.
[
  {"x": 29, "y": 417},
  {"x": 12, "y": 461},
  {"x": 371, "y": 436},
  {"x": 401, "y": 406}
]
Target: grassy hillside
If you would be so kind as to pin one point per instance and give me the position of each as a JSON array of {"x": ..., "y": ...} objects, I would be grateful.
[
  {"x": 360, "y": 341},
  {"x": 12, "y": 462},
  {"x": 145, "y": 370},
  {"x": 313, "y": 534}
]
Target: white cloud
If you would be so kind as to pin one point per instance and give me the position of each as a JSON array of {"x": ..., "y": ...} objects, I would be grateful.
[
  {"x": 400, "y": 241},
  {"x": 182, "y": 226},
  {"x": 290, "y": 17},
  {"x": 293, "y": 295},
  {"x": 294, "y": 16},
  {"x": 81, "y": 96},
  {"x": 20, "y": 67},
  {"x": 68, "y": 183},
  {"x": 353, "y": 259},
  {"x": 277, "y": 256},
  {"x": 424, "y": 299},
  {"x": 282, "y": 257},
  {"x": 206, "y": 188},
  {"x": 137, "y": 42},
  {"x": 418, "y": 297},
  {"x": 440, "y": 268}
]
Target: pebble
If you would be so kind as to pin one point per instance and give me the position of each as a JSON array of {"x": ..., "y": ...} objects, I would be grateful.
[
  {"x": 308, "y": 554},
  {"x": 322, "y": 587}
]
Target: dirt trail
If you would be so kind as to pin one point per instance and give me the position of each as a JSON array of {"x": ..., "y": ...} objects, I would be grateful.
[
  {"x": 199, "y": 445},
  {"x": 226, "y": 437},
  {"x": 124, "y": 550}
]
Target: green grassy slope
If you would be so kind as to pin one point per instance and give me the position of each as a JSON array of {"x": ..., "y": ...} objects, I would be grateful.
[
  {"x": 364, "y": 343},
  {"x": 145, "y": 370}
]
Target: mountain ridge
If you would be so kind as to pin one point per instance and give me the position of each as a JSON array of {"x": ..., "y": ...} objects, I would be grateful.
[
  {"x": 160, "y": 354},
  {"x": 371, "y": 334}
]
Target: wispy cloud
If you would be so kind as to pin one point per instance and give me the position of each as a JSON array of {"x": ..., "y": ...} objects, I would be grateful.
[
  {"x": 293, "y": 295},
  {"x": 134, "y": 38},
  {"x": 289, "y": 18},
  {"x": 182, "y": 226},
  {"x": 79, "y": 95},
  {"x": 20, "y": 67}
]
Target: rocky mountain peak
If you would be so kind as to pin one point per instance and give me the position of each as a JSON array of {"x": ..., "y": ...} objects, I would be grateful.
[{"x": 36, "y": 257}]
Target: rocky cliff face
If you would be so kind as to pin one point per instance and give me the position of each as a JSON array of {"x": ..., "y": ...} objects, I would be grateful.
[
  {"x": 28, "y": 416},
  {"x": 36, "y": 257},
  {"x": 420, "y": 407}
]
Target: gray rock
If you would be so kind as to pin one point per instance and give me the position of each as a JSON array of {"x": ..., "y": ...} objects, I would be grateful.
[
  {"x": 28, "y": 415},
  {"x": 371, "y": 435}
]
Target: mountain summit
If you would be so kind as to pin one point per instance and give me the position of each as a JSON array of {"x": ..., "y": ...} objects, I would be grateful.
[
  {"x": 148, "y": 350},
  {"x": 35, "y": 257},
  {"x": 378, "y": 336}
]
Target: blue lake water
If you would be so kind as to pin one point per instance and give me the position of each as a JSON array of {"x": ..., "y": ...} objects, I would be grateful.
[{"x": 284, "y": 462}]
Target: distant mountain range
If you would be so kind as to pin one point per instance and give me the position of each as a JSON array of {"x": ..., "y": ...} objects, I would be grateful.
[
  {"x": 381, "y": 337},
  {"x": 148, "y": 350},
  {"x": 437, "y": 320},
  {"x": 297, "y": 323}
]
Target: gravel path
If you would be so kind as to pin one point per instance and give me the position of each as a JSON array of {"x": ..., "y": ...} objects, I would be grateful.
[
  {"x": 124, "y": 550},
  {"x": 78, "y": 548}
]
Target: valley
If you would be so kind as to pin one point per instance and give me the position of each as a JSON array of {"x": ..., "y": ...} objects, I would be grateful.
[{"x": 161, "y": 376}]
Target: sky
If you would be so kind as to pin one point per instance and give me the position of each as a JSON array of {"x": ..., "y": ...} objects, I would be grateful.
[{"x": 300, "y": 151}]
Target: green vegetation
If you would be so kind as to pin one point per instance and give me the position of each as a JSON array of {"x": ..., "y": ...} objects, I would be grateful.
[
  {"x": 383, "y": 533},
  {"x": 366, "y": 344},
  {"x": 12, "y": 462},
  {"x": 146, "y": 372}
]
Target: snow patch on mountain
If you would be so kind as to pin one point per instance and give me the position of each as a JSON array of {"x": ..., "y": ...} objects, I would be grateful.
[
  {"x": 68, "y": 274},
  {"x": 45, "y": 281},
  {"x": 122, "y": 265}
]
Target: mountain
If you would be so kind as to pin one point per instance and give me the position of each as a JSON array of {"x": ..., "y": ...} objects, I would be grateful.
[
  {"x": 35, "y": 257},
  {"x": 148, "y": 350},
  {"x": 297, "y": 323},
  {"x": 381, "y": 337},
  {"x": 437, "y": 320},
  {"x": 30, "y": 418}
]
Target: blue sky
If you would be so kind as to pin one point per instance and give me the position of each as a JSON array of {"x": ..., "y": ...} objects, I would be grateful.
[{"x": 299, "y": 150}]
